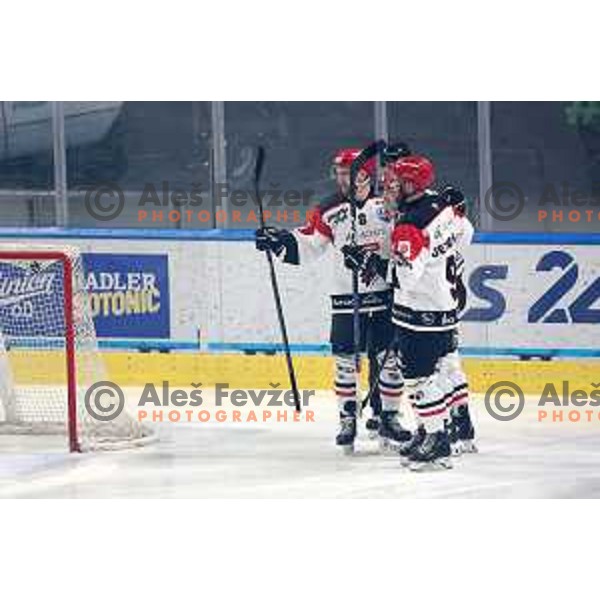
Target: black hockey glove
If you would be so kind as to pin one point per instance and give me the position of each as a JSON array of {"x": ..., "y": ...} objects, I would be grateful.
[
  {"x": 367, "y": 264},
  {"x": 354, "y": 257},
  {"x": 454, "y": 197},
  {"x": 280, "y": 242},
  {"x": 374, "y": 265}
]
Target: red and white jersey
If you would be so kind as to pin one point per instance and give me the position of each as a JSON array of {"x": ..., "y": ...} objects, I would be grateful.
[
  {"x": 425, "y": 264},
  {"x": 330, "y": 226}
]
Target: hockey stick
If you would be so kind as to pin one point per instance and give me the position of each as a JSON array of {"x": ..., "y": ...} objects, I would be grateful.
[
  {"x": 258, "y": 167},
  {"x": 358, "y": 163},
  {"x": 380, "y": 365}
]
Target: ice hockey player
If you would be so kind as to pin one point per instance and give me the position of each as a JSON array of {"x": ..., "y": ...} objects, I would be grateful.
[
  {"x": 424, "y": 244},
  {"x": 462, "y": 432},
  {"x": 461, "y": 429},
  {"x": 330, "y": 224},
  {"x": 392, "y": 152}
]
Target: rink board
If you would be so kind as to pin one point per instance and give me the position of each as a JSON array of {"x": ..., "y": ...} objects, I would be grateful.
[
  {"x": 210, "y": 305},
  {"x": 262, "y": 372}
]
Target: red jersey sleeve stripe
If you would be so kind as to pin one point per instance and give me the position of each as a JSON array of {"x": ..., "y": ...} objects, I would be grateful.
[{"x": 315, "y": 223}]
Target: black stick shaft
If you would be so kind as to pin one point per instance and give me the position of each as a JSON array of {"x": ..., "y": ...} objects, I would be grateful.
[
  {"x": 356, "y": 308},
  {"x": 380, "y": 364},
  {"x": 275, "y": 287},
  {"x": 367, "y": 154}
]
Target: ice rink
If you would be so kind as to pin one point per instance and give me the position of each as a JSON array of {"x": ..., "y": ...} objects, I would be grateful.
[{"x": 523, "y": 458}]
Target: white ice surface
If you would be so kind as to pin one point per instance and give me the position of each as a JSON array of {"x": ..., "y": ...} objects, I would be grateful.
[{"x": 521, "y": 459}]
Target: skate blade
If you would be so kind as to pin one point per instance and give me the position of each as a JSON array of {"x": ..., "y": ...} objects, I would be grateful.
[
  {"x": 469, "y": 447},
  {"x": 464, "y": 447},
  {"x": 362, "y": 447},
  {"x": 389, "y": 447},
  {"x": 404, "y": 461},
  {"x": 440, "y": 464},
  {"x": 347, "y": 450}
]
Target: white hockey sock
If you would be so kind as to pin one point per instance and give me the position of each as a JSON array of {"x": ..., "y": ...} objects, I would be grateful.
[
  {"x": 430, "y": 404},
  {"x": 391, "y": 384},
  {"x": 345, "y": 383}
]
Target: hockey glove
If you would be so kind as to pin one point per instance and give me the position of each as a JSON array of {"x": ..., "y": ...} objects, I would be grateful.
[
  {"x": 454, "y": 197},
  {"x": 280, "y": 242},
  {"x": 374, "y": 265},
  {"x": 368, "y": 264},
  {"x": 354, "y": 257}
]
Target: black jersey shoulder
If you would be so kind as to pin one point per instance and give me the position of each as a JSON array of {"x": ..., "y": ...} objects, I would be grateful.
[{"x": 424, "y": 210}]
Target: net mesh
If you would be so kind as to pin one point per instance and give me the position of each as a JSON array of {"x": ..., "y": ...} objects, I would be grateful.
[{"x": 35, "y": 354}]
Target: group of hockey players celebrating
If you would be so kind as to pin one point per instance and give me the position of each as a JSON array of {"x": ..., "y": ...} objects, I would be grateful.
[{"x": 403, "y": 242}]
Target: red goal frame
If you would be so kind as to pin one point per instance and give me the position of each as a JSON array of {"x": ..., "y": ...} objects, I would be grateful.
[{"x": 67, "y": 268}]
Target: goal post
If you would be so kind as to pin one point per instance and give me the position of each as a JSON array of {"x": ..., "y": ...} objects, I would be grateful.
[{"x": 49, "y": 355}]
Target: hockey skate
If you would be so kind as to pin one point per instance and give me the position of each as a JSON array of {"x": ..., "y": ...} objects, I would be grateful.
[
  {"x": 409, "y": 447},
  {"x": 452, "y": 432},
  {"x": 372, "y": 425},
  {"x": 465, "y": 432},
  {"x": 347, "y": 433},
  {"x": 432, "y": 454},
  {"x": 391, "y": 433}
]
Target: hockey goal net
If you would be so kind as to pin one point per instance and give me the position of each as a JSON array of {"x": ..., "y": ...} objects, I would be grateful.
[{"x": 49, "y": 356}]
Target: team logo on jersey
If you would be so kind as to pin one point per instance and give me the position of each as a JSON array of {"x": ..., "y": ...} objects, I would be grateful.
[
  {"x": 403, "y": 248},
  {"x": 383, "y": 214},
  {"x": 370, "y": 299},
  {"x": 448, "y": 319},
  {"x": 339, "y": 216},
  {"x": 362, "y": 219},
  {"x": 442, "y": 227},
  {"x": 428, "y": 318}
]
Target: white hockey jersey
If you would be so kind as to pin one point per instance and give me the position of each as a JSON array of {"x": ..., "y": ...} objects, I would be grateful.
[
  {"x": 425, "y": 264},
  {"x": 330, "y": 225}
]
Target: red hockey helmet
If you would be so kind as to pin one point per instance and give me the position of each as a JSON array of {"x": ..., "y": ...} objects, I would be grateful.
[
  {"x": 346, "y": 156},
  {"x": 417, "y": 170}
]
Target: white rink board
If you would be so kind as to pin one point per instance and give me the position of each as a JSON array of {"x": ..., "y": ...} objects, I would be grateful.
[
  {"x": 220, "y": 290},
  {"x": 534, "y": 288}
]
